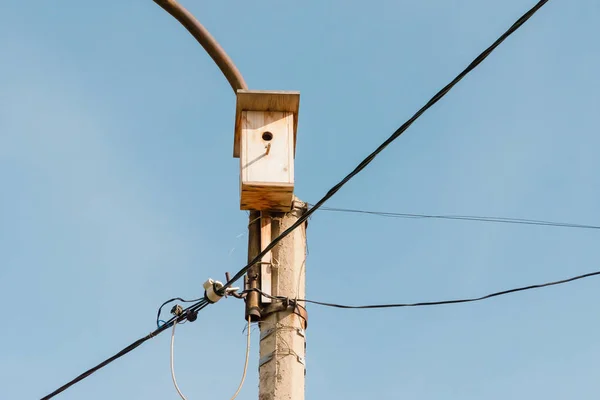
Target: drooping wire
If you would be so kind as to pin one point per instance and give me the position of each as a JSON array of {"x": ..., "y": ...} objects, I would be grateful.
[
  {"x": 387, "y": 142},
  {"x": 172, "y": 363},
  {"x": 432, "y": 303},
  {"x": 502, "y": 220},
  {"x": 195, "y": 307},
  {"x": 200, "y": 305},
  {"x": 245, "y": 362}
]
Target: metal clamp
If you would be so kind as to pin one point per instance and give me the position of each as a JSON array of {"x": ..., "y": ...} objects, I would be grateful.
[
  {"x": 265, "y": 334},
  {"x": 270, "y": 331},
  {"x": 287, "y": 305},
  {"x": 265, "y": 359}
]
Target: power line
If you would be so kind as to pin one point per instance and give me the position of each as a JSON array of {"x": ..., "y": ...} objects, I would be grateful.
[
  {"x": 186, "y": 315},
  {"x": 433, "y": 303},
  {"x": 233, "y": 76},
  {"x": 393, "y": 137},
  {"x": 121, "y": 353},
  {"x": 502, "y": 220},
  {"x": 201, "y": 305},
  {"x": 236, "y": 80},
  {"x": 169, "y": 301}
]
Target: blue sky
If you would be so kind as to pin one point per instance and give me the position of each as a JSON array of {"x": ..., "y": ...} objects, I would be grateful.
[{"x": 119, "y": 191}]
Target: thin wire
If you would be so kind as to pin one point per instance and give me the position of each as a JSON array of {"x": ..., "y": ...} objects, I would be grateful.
[
  {"x": 245, "y": 362},
  {"x": 253, "y": 221},
  {"x": 195, "y": 307},
  {"x": 172, "y": 363},
  {"x": 208, "y": 42},
  {"x": 468, "y": 300},
  {"x": 464, "y": 218},
  {"x": 433, "y": 303},
  {"x": 198, "y": 306},
  {"x": 387, "y": 142},
  {"x": 169, "y": 301},
  {"x": 200, "y": 33}
]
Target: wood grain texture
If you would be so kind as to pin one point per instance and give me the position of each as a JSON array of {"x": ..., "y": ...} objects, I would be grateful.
[
  {"x": 266, "y": 165},
  {"x": 266, "y": 196},
  {"x": 259, "y": 161},
  {"x": 264, "y": 100}
]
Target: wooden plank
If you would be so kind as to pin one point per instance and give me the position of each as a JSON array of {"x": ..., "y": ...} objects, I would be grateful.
[
  {"x": 265, "y": 266},
  {"x": 255, "y": 197},
  {"x": 268, "y": 100},
  {"x": 266, "y": 165},
  {"x": 264, "y": 100},
  {"x": 266, "y": 196},
  {"x": 267, "y": 148}
]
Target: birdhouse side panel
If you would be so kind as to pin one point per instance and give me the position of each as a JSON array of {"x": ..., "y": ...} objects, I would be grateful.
[{"x": 267, "y": 147}]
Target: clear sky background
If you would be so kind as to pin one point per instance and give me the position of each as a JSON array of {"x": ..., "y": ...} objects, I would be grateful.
[{"x": 119, "y": 191}]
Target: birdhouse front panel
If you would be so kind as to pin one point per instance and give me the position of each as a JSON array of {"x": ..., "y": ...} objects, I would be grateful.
[{"x": 267, "y": 160}]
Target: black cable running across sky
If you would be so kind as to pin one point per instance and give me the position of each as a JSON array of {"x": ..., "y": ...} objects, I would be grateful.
[
  {"x": 429, "y": 303},
  {"x": 457, "y": 301},
  {"x": 194, "y": 309},
  {"x": 502, "y": 220},
  {"x": 393, "y": 137},
  {"x": 203, "y": 303}
]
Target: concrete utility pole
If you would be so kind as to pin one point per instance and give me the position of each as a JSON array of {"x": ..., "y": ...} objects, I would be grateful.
[
  {"x": 283, "y": 325},
  {"x": 265, "y": 142}
]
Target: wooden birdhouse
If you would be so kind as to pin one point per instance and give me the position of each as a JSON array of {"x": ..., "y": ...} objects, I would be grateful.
[{"x": 265, "y": 142}]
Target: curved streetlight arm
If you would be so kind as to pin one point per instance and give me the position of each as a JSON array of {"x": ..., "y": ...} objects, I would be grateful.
[{"x": 212, "y": 47}]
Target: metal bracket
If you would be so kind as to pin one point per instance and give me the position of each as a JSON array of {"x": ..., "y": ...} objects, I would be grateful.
[
  {"x": 270, "y": 356},
  {"x": 287, "y": 305},
  {"x": 301, "y": 312},
  {"x": 266, "y": 333},
  {"x": 265, "y": 359},
  {"x": 269, "y": 332}
]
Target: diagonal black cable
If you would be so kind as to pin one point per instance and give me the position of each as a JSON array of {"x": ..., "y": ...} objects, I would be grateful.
[
  {"x": 171, "y": 300},
  {"x": 121, "y": 353},
  {"x": 196, "y": 307},
  {"x": 503, "y": 220},
  {"x": 393, "y": 137},
  {"x": 200, "y": 305}
]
